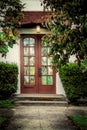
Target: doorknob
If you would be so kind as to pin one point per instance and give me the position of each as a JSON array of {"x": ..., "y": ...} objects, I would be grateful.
[{"x": 39, "y": 71}]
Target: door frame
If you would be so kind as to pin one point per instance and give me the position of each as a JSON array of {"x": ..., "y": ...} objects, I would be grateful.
[{"x": 36, "y": 90}]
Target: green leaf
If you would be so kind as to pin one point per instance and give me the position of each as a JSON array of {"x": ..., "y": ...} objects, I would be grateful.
[
  {"x": 10, "y": 44},
  {"x": 4, "y": 49}
]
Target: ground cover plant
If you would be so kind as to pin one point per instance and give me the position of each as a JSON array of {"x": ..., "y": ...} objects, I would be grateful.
[{"x": 80, "y": 121}]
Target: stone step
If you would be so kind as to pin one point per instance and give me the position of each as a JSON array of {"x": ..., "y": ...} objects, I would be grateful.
[
  {"x": 27, "y": 103},
  {"x": 41, "y": 99}
]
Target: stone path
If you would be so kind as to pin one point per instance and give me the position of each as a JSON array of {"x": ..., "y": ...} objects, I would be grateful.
[{"x": 42, "y": 118}]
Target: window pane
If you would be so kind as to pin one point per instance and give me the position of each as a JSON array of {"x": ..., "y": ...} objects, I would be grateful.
[
  {"x": 50, "y": 71},
  {"x": 44, "y": 61},
  {"x": 32, "y": 52},
  {"x": 32, "y": 41},
  {"x": 25, "y": 60},
  {"x": 32, "y": 70},
  {"x": 44, "y": 51},
  {"x": 32, "y": 80},
  {"x": 50, "y": 80},
  {"x": 26, "y": 70},
  {"x": 26, "y": 41},
  {"x": 32, "y": 60},
  {"x": 25, "y": 51},
  {"x": 44, "y": 80},
  {"x": 26, "y": 79},
  {"x": 44, "y": 70},
  {"x": 50, "y": 61}
]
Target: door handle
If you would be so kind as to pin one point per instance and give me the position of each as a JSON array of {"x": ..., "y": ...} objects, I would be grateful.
[{"x": 39, "y": 71}]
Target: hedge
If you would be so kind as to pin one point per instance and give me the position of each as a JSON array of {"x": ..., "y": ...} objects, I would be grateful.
[
  {"x": 74, "y": 80},
  {"x": 8, "y": 79}
]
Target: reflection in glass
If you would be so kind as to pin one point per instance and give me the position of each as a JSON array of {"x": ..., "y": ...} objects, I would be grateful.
[
  {"x": 44, "y": 51},
  {"x": 26, "y": 79},
  {"x": 32, "y": 60},
  {"x": 50, "y": 71},
  {"x": 44, "y": 70},
  {"x": 26, "y": 70},
  {"x": 32, "y": 41},
  {"x": 44, "y": 80},
  {"x": 32, "y": 70},
  {"x": 32, "y": 80},
  {"x": 25, "y": 51},
  {"x": 32, "y": 52},
  {"x": 44, "y": 61},
  {"x": 25, "y": 60},
  {"x": 50, "y": 80},
  {"x": 50, "y": 61},
  {"x": 26, "y": 41}
]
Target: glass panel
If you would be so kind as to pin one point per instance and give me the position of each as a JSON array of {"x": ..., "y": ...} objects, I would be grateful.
[
  {"x": 32, "y": 52},
  {"x": 44, "y": 51},
  {"x": 32, "y": 41},
  {"x": 32, "y": 60},
  {"x": 50, "y": 80},
  {"x": 50, "y": 71},
  {"x": 32, "y": 80},
  {"x": 44, "y": 61},
  {"x": 26, "y": 70},
  {"x": 25, "y": 60},
  {"x": 44, "y": 80},
  {"x": 32, "y": 70},
  {"x": 26, "y": 79},
  {"x": 50, "y": 61},
  {"x": 26, "y": 41},
  {"x": 44, "y": 70},
  {"x": 25, "y": 51}
]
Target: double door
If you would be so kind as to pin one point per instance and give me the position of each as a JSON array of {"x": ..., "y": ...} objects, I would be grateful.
[{"x": 37, "y": 74}]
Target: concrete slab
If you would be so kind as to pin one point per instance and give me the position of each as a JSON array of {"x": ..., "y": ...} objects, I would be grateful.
[{"x": 43, "y": 118}]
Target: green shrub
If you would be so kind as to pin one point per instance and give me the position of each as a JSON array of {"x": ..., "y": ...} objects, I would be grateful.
[
  {"x": 74, "y": 80},
  {"x": 8, "y": 79}
]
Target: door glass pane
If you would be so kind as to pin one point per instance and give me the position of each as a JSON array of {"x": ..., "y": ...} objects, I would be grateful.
[
  {"x": 32, "y": 60},
  {"x": 44, "y": 80},
  {"x": 26, "y": 79},
  {"x": 44, "y": 61},
  {"x": 32, "y": 80},
  {"x": 26, "y": 41},
  {"x": 32, "y": 52},
  {"x": 32, "y": 41},
  {"x": 44, "y": 51},
  {"x": 32, "y": 70},
  {"x": 26, "y": 70},
  {"x": 25, "y": 60},
  {"x": 25, "y": 51},
  {"x": 50, "y": 71},
  {"x": 44, "y": 70},
  {"x": 50, "y": 61},
  {"x": 50, "y": 80}
]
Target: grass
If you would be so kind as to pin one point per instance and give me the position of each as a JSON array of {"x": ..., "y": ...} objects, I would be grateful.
[
  {"x": 79, "y": 121},
  {"x": 6, "y": 103}
]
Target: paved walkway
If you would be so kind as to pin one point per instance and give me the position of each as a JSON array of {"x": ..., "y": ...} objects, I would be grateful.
[{"x": 43, "y": 117}]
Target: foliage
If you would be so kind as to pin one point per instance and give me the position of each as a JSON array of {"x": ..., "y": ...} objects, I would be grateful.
[
  {"x": 74, "y": 79},
  {"x": 68, "y": 26},
  {"x": 10, "y": 18},
  {"x": 8, "y": 79},
  {"x": 2, "y": 120},
  {"x": 80, "y": 121},
  {"x": 6, "y": 103}
]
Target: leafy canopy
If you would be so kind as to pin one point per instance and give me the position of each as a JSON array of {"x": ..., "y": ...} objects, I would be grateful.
[
  {"x": 68, "y": 26},
  {"x": 10, "y": 18}
]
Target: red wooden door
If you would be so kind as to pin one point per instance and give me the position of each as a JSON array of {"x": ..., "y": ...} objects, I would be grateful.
[{"x": 37, "y": 74}]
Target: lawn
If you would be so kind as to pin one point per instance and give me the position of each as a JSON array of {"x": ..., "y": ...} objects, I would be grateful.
[{"x": 80, "y": 121}]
